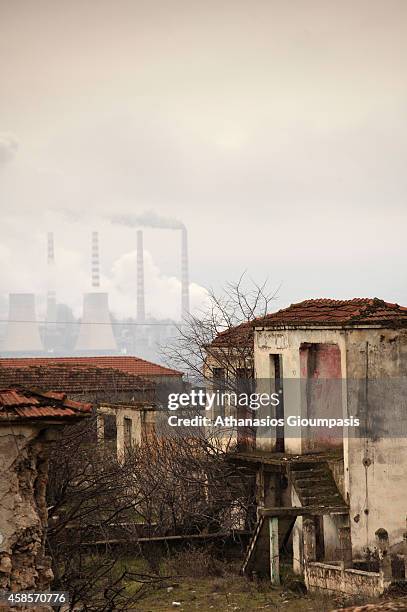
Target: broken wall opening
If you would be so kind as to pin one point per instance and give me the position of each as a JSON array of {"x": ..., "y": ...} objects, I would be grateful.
[{"x": 321, "y": 393}]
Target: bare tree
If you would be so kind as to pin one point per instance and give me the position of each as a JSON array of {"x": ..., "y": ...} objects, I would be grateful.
[
  {"x": 99, "y": 507},
  {"x": 221, "y": 335},
  {"x": 169, "y": 484},
  {"x": 90, "y": 494},
  {"x": 190, "y": 486}
]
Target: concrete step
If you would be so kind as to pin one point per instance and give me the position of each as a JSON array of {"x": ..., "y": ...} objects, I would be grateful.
[
  {"x": 306, "y": 465},
  {"x": 329, "y": 500},
  {"x": 315, "y": 485},
  {"x": 317, "y": 489},
  {"x": 310, "y": 482},
  {"x": 308, "y": 474}
]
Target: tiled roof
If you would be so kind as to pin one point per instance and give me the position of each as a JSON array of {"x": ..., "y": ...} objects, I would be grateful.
[
  {"x": 73, "y": 379},
  {"x": 20, "y": 404},
  {"x": 125, "y": 363},
  {"x": 240, "y": 336},
  {"x": 359, "y": 311}
]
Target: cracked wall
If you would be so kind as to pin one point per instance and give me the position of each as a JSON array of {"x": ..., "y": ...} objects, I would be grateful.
[{"x": 23, "y": 512}]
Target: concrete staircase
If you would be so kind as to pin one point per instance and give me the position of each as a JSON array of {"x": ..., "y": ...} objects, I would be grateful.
[{"x": 315, "y": 485}]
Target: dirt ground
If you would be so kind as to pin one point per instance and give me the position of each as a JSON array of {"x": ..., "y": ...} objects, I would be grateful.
[
  {"x": 233, "y": 594},
  {"x": 195, "y": 581}
]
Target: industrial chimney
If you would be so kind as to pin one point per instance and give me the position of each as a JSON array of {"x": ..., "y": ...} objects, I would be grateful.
[
  {"x": 95, "y": 260},
  {"x": 95, "y": 332},
  {"x": 51, "y": 316},
  {"x": 22, "y": 334},
  {"x": 184, "y": 273},
  {"x": 141, "y": 313}
]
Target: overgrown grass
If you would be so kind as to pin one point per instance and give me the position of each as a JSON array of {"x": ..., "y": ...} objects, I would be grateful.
[{"x": 198, "y": 583}]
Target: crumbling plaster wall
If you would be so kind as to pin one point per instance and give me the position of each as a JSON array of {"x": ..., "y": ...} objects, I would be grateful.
[
  {"x": 287, "y": 342},
  {"x": 23, "y": 513},
  {"x": 377, "y": 370},
  {"x": 322, "y": 577},
  {"x": 374, "y": 467},
  {"x": 121, "y": 413}
]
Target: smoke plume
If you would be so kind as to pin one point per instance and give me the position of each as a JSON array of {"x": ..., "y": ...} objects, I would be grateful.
[{"x": 148, "y": 219}]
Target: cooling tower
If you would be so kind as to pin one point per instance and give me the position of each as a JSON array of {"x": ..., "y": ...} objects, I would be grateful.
[
  {"x": 141, "y": 313},
  {"x": 95, "y": 332},
  {"x": 184, "y": 273},
  {"x": 22, "y": 335}
]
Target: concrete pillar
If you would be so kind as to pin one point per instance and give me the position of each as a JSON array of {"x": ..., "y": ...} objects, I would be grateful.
[
  {"x": 382, "y": 545},
  {"x": 100, "y": 428},
  {"x": 310, "y": 540},
  {"x": 274, "y": 551},
  {"x": 345, "y": 546}
]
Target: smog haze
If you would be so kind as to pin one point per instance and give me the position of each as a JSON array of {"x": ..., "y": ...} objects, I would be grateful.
[{"x": 275, "y": 131}]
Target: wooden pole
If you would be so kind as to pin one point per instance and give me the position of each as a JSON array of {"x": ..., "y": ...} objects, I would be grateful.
[{"x": 274, "y": 551}]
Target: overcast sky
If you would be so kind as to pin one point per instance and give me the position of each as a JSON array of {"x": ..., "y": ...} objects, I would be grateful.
[{"x": 275, "y": 130}]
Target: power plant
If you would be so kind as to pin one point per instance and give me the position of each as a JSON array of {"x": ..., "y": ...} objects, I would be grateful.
[
  {"x": 22, "y": 334},
  {"x": 62, "y": 334},
  {"x": 95, "y": 332}
]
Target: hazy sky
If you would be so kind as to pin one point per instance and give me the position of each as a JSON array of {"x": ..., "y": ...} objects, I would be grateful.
[{"x": 275, "y": 130}]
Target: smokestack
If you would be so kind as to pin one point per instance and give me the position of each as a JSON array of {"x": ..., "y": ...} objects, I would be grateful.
[
  {"x": 51, "y": 316},
  {"x": 184, "y": 273},
  {"x": 141, "y": 313},
  {"x": 22, "y": 334},
  {"x": 95, "y": 260},
  {"x": 96, "y": 333},
  {"x": 51, "y": 295}
]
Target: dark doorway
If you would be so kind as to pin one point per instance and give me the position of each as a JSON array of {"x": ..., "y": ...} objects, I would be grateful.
[{"x": 277, "y": 386}]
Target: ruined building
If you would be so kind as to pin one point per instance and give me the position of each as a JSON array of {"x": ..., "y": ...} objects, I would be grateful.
[
  {"x": 29, "y": 420},
  {"x": 333, "y": 499},
  {"x": 124, "y": 404}
]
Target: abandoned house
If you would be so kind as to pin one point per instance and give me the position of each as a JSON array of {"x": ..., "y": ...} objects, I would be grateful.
[
  {"x": 29, "y": 420},
  {"x": 124, "y": 403},
  {"x": 336, "y": 502}
]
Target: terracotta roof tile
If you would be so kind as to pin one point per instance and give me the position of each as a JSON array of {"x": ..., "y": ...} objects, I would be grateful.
[
  {"x": 321, "y": 311},
  {"x": 240, "y": 336},
  {"x": 65, "y": 378},
  {"x": 358, "y": 311},
  {"x": 125, "y": 363},
  {"x": 19, "y": 403}
]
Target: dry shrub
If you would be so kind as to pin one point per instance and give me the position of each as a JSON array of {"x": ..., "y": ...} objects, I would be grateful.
[{"x": 196, "y": 563}]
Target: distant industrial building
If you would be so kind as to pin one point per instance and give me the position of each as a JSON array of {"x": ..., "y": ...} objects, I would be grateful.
[{"x": 97, "y": 332}]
